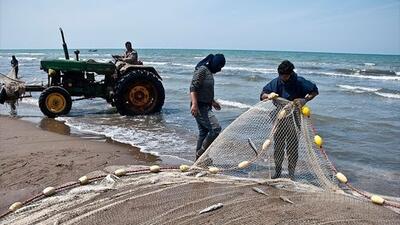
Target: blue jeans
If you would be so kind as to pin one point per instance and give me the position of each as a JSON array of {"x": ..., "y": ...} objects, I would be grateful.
[{"x": 209, "y": 129}]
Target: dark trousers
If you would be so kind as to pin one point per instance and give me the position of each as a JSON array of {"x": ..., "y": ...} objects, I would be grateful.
[
  {"x": 286, "y": 137},
  {"x": 16, "y": 72},
  {"x": 209, "y": 129}
]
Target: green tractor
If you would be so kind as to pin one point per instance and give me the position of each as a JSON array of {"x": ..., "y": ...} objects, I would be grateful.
[{"x": 133, "y": 89}]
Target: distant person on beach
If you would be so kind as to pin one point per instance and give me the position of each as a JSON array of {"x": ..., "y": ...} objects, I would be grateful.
[
  {"x": 293, "y": 88},
  {"x": 14, "y": 65},
  {"x": 202, "y": 100},
  {"x": 130, "y": 56}
]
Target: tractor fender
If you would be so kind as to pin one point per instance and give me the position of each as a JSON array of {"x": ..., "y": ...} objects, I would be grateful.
[{"x": 151, "y": 69}]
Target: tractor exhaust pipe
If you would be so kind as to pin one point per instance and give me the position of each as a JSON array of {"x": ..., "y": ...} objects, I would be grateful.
[{"x": 64, "y": 45}]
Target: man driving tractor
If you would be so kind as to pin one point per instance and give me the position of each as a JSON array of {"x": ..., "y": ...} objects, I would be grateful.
[{"x": 130, "y": 56}]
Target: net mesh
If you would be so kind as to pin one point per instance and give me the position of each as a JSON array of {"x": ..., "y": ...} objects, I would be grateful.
[
  {"x": 14, "y": 89},
  {"x": 276, "y": 141},
  {"x": 271, "y": 139},
  {"x": 13, "y": 86}
]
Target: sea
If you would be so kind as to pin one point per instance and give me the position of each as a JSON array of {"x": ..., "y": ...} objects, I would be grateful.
[{"x": 357, "y": 111}]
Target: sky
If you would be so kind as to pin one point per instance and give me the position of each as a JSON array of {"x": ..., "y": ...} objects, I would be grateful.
[{"x": 351, "y": 26}]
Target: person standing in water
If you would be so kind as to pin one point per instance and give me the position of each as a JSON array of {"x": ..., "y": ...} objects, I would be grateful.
[
  {"x": 293, "y": 88},
  {"x": 202, "y": 100},
  {"x": 14, "y": 65}
]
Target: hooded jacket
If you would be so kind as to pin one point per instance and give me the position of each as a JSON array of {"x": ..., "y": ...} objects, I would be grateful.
[{"x": 295, "y": 87}]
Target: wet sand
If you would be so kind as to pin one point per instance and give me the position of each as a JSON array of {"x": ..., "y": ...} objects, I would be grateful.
[{"x": 32, "y": 158}]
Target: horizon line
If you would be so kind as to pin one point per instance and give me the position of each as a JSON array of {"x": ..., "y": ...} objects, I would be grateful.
[{"x": 213, "y": 49}]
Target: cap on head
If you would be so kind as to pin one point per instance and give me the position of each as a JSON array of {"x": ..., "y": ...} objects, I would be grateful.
[{"x": 286, "y": 67}]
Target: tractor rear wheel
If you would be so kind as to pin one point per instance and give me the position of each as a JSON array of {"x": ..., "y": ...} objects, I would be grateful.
[
  {"x": 55, "y": 101},
  {"x": 139, "y": 92}
]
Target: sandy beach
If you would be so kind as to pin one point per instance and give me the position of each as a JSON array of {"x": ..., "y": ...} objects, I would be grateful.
[{"x": 33, "y": 158}]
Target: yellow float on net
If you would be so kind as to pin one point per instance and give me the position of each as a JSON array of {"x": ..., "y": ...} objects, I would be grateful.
[
  {"x": 184, "y": 168},
  {"x": 15, "y": 206},
  {"x": 377, "y": 199},
  {"x": 83, "y": 180},
  {"x": 266, "y": 144},
  {"x": 49, "y": 191},
  {"x": 306, "y": 111},
  {"x": 155, "y": 169},
  {"x": 318, "y": 140},
  {"x": 341, "y": 177},
  {"x": 120, "y": 172},
  {"x": 213, "y": 170},
  {"x": 244, "y": 164}
]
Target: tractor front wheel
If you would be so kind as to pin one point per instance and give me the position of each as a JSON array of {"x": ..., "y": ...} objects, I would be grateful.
[{"x": 55, "y": 101}]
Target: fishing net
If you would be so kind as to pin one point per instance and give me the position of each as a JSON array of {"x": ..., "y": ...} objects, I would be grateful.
[
  {"x": 229, "y": 184},
  {"x": 11, "y": 89},
  {"x": 274, "y": 139}
]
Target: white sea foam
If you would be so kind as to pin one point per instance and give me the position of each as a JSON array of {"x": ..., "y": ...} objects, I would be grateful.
[
  {"x": 251, "y": 69},
  {"x": 232, "y": 68},
  {"x": 388, "y": 95},
  {"x": 358, "y": 88},
  {"x": 30, "y": 101},
  {"x": 148, "y": 141},
  {"x": 398, "y": 73},
  {"x": 182, "y": 65},
  {"x": 30, "y": 53},
  {"x": 155, "y": 63},
  {"x": 377, "y": 91},
  {"x": 393, "y": 78},
  {"x": 233, "y": 104},
  {"x": 27, "y": 58},
  {"x": 369, "y": 64}
]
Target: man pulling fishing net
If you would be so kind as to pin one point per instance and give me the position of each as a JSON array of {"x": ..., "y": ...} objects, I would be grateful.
[
  {"x": 292, "y": 87},
  {"x": 11, "y": 89}
]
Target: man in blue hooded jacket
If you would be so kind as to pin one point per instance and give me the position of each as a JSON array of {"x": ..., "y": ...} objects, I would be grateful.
[{"x": 293, "y": 88}]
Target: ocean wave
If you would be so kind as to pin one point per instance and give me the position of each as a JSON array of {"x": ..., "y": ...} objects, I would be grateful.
[
  {"x": 377, "y": 72},
  {"x": 30, "y": 101},
  {"x": 29, "y": 53},
  {"x": 149, "y": 141},
  {"x": 254, "y": 78},
  {"x": 310, "y": 67},
  {"x": 388, "y": 78},
  {"x": 183, "y": 65},
  {"x": 377, "y": 91},
  {"x": 374, "y": 72},
  {"x": 27, "y": 58},
  {"x": 155, "y": 63},
  {"x": 233, "y": 104},
  {"x": 358, "y": 89},
  {"x": 233, "y": 68},
  {"x": 369, "y": 64},
  {"x": 250, "y": 69},
  {"x": 388, "y": 95}
]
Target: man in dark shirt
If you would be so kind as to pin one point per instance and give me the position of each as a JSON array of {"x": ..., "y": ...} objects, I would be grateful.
[
  {"x": 202, "y": 100},
  {"x": 14, "y": 65},
  {"x": 130, "y": 56},
  {"x": 293, "y": 88}
]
